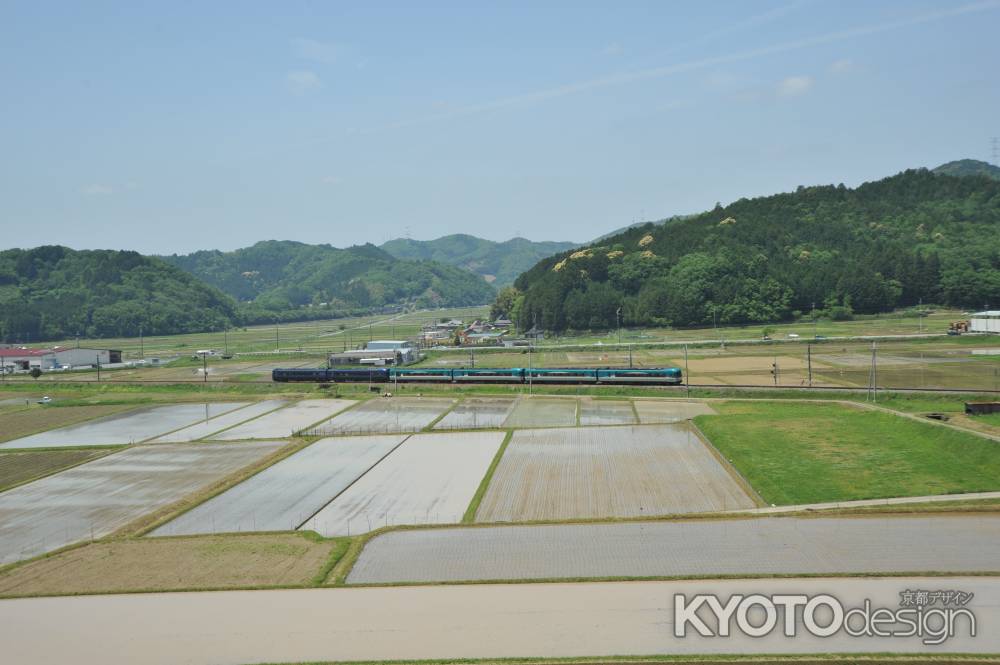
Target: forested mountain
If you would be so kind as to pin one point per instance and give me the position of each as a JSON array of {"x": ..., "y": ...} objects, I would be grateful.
[
  {"x": 964, "y": 167},
  {"x": 54, "y": 292},
  {"x": 911, "y": 237},
  {"x": 284, "y": 276},
  {"x": 497, "y": 262}
]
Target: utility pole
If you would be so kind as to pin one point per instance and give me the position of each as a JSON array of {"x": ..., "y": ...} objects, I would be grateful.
[
  {"x": 529, "y": 368},
  {"x": 225, "y": 336},
  {"x": 204, "y": 367},
  {"x": 809, "y": 360},
  {"x": 687, "y": 372},
  {"x": 618, "y": 318},
  {"x": 630, "y": 356},
  {"x": 276, "y": 338},
  {"x": 98, "y": 368},
  {"x": 774, "y": 371},
  {"x": 472, "y": 358},
  {"x": 141, "y": 354},
  {"x": 920, "y": 316}
]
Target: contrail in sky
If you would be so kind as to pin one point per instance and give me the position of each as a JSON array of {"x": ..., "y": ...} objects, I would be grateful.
[{"x": 669, "y": 70}]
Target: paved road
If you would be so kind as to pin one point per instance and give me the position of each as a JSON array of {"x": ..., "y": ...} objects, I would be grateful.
[
  {"x": 469, "y": 621},
  {"x": 769, "y": 545}
]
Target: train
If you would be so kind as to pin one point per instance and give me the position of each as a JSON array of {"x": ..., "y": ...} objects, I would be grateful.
[{"x": 554, "y": 375}]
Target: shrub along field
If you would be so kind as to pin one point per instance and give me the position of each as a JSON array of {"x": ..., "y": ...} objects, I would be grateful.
[{"x": 794, "y": 453}]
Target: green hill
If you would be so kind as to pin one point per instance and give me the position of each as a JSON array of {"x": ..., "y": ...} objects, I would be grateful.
[
  {"x": 55, "y": 292},
  {"x": 911, "y": 237},
  {"x": 290, "y": 277},
  {"x": 497, "y": 262},
  {"x": 967, "y": 167}
]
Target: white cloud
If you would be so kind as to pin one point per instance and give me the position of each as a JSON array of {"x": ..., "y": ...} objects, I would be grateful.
[
  {"x": 841, "y": 66},
  {"x": 332, "y": 180},
  {"x": 793, "y": 86},
  {"x": 301, "y": 82},
  {"x": 311, "y": 49},
  {"x": 97, "y": 189}
]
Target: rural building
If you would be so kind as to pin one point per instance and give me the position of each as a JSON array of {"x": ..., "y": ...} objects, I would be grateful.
[
  {"x": 22, "y": 359},
  {"x": 378, "y": 352},
  {"x": 985, "y": 322}
]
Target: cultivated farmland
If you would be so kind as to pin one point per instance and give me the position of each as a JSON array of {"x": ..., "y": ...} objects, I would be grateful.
[
  {"x": 684, "y": 548},
  {"x": 99, "y": 497},
  {"x": 608, "y": 472},
  {"x": 543, "y": 412},
  {"x": 662, "y": 411},
  {"x": 19, "y": 467},
  {"x": 24, "y": 420},
  {"x": 131, "y": 427},
  {"x": 164, "y": 564},
  {"x": 219, "y": 423},
  {"x": 399, "y": 414},
  {"x": 431, "y": 478},
  {"x": 285, "y": 495},
  {"x": 606, "y": 412},
  {"x": 286, "y": 421},
  {"x": 478, "y": 413}
]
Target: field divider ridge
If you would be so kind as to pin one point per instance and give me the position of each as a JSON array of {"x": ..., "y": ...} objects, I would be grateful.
[
  {"x": 304, "y": 430},
  {"x": 243, "y": 422},
  {"x": 470, "y": 513},
  {"x": 454, "y": 403},
  {"x": 733, "y": 472},
  {"x": 351, "y": 484}
]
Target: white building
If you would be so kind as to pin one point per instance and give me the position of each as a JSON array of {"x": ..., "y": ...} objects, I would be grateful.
[
  {"x": 988, "y": 321},
  {"x": 22, "y": 359}
]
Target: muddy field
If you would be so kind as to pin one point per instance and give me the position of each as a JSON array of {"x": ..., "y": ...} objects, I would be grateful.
[
  {"x": 654, "y": 411},
  {"x": 478, "y": 413},
  {"x": 399, "y": 414},
  {"x": 287, "y": 421},
  {"x": 219, "y": 423},
  {"x": 684, "y": 548},
  {"x": 285, "y": 495},
  {"x": 543, "y": 412},
  {"x": 21, "y": 422},
  {"x": 165, "y": 564},
  {"x": 18, "y": 467},
  {"x": 429, "y": 479},
  {"x": 131, "y": 427},
  {"x": 99, "y": 497},
  {"x": 607, "y": 472},
  {"x": 606, "y": 412}
]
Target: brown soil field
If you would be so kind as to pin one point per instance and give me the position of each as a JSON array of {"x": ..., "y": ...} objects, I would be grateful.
[
  {"x": 30, "y": 420},
  {"x": 17, "y": 468},
  {"x": 591, "y": 472},
  {"x": 164, "y": 564}
]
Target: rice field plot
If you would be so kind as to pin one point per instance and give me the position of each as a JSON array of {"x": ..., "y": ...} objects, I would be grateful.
[
  {"x": 606, "y": 412},
  {"x": 429, "y": 479},
  {"x": 99, "y": 497},
  {"x": 171, "y": 564},
  {"x": 130, "y": 427},
  {"x": 593, "y": 472},
  {"x": 20, "y": 467},
  {"x": 213, "y": 425},
  {"x": 543, "y": 412},
  {"x": 667, "y": 411},
  {"x": 286, "y": 421},
  {"x": 21, "y": 421},
  {"x": 286, "y": 494},
  {"x": 478, "y": 413},
  {"x": 785, "y": 545},
  {"x": 397, "y": 414}
]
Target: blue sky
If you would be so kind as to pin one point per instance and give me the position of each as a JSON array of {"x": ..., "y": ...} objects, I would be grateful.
[{"x": 172, "y": 127}]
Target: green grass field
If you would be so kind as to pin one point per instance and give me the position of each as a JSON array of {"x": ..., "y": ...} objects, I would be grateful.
[{"x": 795, "y": 453}]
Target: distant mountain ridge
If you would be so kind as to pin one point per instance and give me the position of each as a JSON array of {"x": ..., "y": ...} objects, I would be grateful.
[
  {"x": 499, "y": 263},
  {"x": 283, "y": 275}
]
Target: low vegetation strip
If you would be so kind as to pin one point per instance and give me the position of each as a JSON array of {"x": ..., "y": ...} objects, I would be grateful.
[
  {"x": 795, "y": 453},
  {"x": 166, "y": 564},
  {"x": 17, "y": 468},
  {"x": 683, "y": 548}
]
